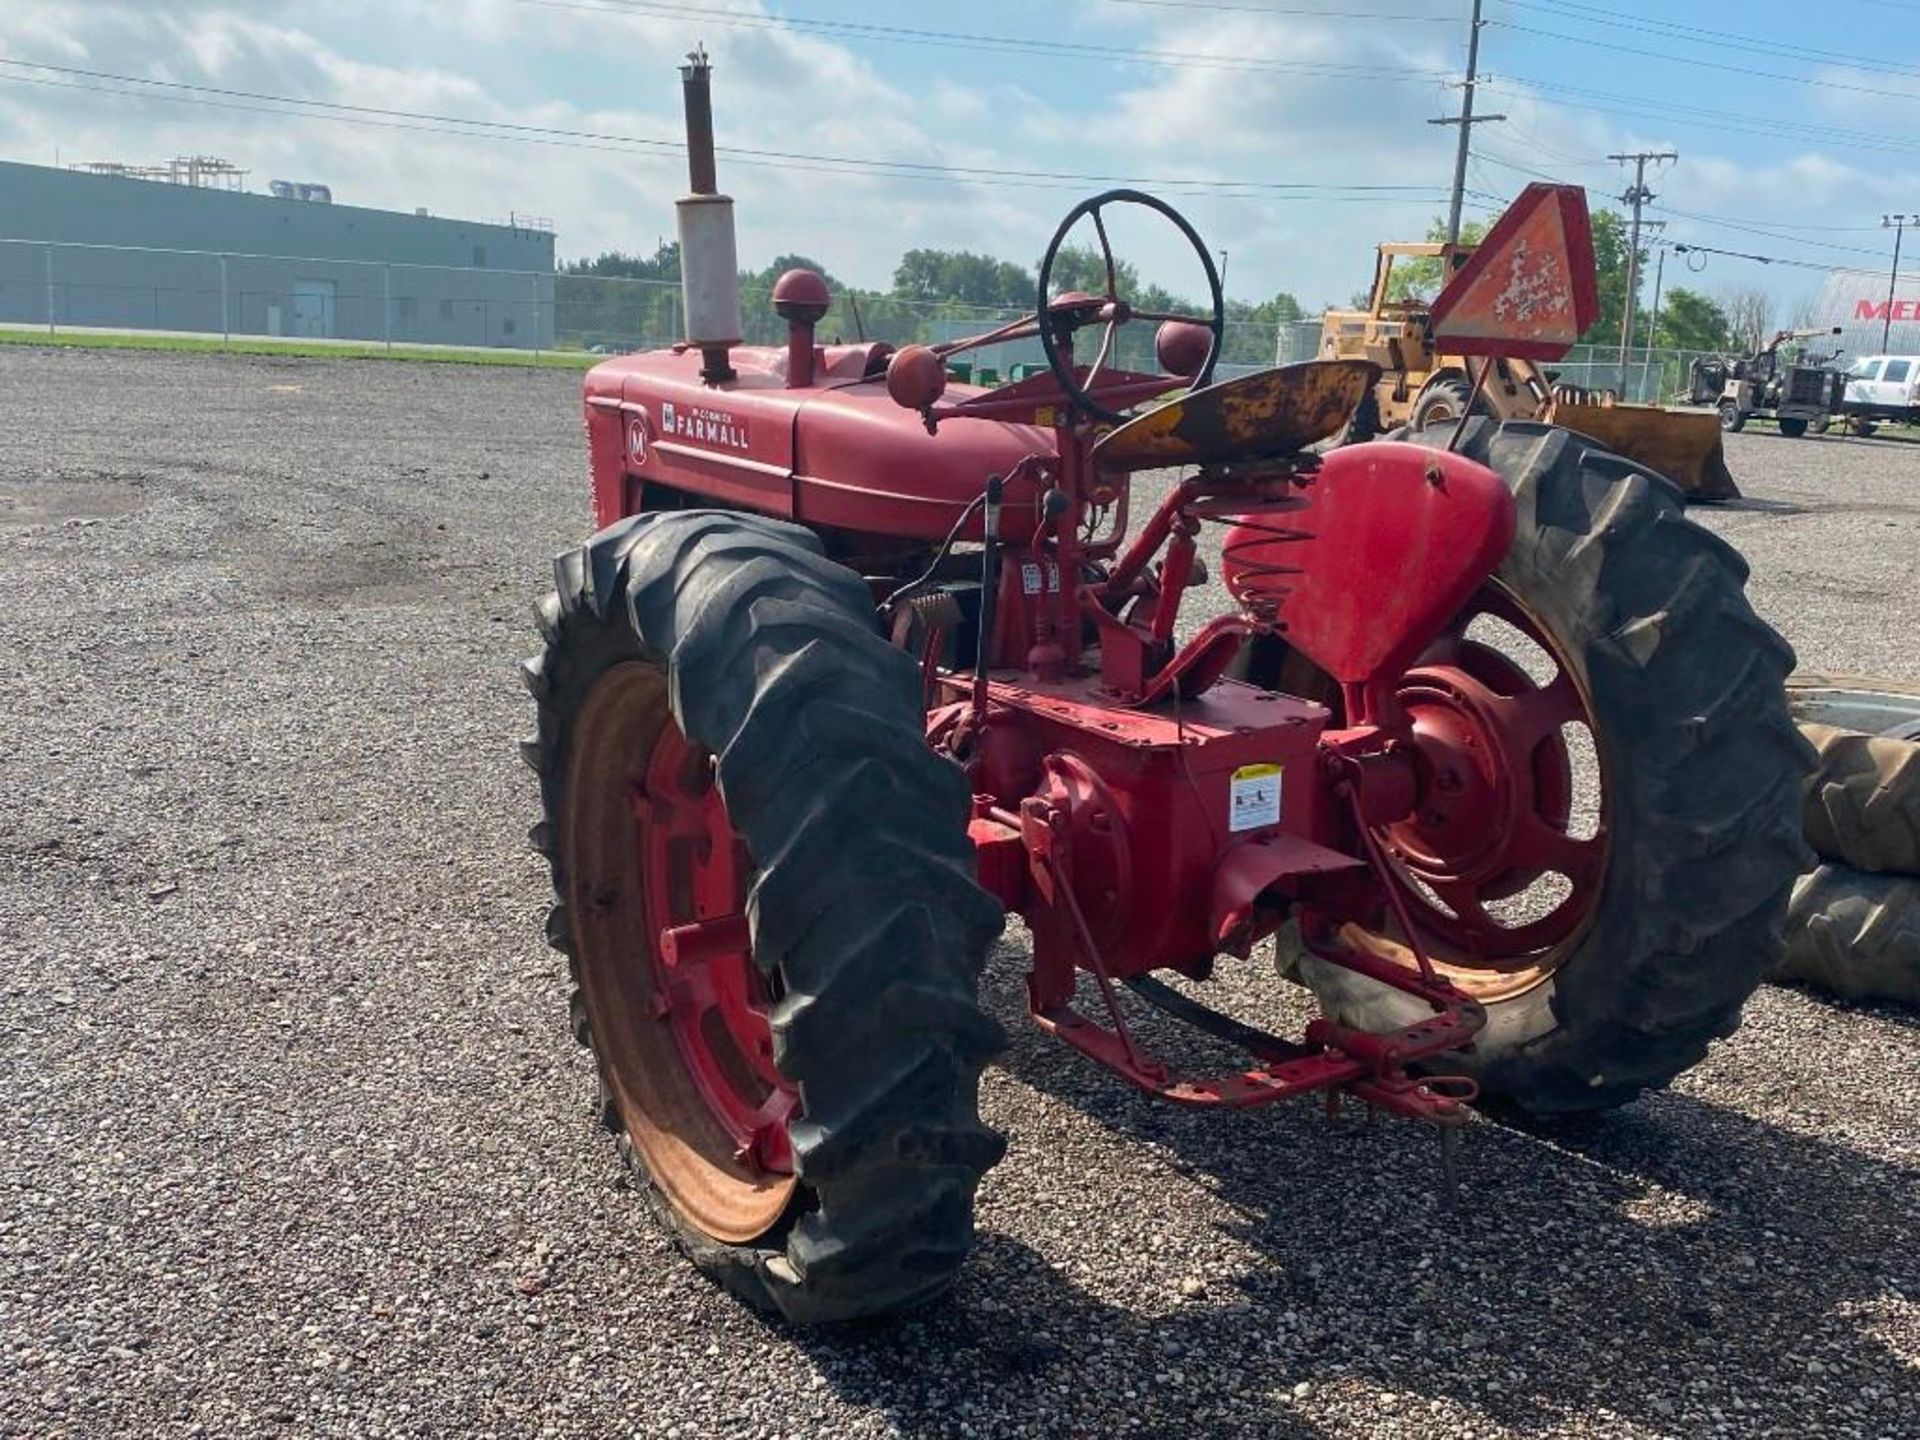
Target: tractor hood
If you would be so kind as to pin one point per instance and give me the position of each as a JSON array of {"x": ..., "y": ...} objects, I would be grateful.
[{"x": 839, "y": 453}]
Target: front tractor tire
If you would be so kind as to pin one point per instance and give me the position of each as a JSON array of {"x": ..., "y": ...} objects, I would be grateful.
[
  {"x": 1670, "y": 893},
  {"x": 1442, "y": 402},
  {"x": 766, "y": 895}
]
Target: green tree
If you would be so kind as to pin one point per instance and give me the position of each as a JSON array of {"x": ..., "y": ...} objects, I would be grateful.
[
  {"x": 1280, "y": 310},
  {"x": 1081, "y": 267},
  {"x": 633, "y": 300},
  {"x": 942, "y": 276},
  {"x": 1610, "y": 261},
  {"x": 763, "y": 279},
  {"x": 629, "y": 301},
  {"x": 663, "y": 264},
  {"x": 1691, "y": 321}
]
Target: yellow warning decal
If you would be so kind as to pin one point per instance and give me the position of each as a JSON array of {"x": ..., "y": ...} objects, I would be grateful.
[{"x": 1253, "y": 797}]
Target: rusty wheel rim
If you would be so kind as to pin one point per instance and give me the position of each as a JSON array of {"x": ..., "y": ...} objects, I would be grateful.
[
  {"x": 1502, "y": 809},
  {"x": 657, "y": 883}
]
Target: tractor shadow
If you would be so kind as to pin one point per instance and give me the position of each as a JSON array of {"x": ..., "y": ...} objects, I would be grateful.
[
  {"x": 1653, "y": 1265},
  {"x": 1754, "y": 503}
]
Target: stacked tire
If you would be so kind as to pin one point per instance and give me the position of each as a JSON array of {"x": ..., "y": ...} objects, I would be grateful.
[{"x": 1853, "y": 926}]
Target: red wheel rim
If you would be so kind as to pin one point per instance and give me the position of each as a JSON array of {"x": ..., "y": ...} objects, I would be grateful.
[
  {"x": 707, "y": 990},
  {"x": 656, "y": 895},
  {"x": 1500, "y": 810}
]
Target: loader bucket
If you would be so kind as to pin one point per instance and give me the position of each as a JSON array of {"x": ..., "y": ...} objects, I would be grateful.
[{"x": 1681, "y": 445}]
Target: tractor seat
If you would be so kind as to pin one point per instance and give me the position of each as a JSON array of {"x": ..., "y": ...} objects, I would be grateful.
[{"x": 1261, "y": 416}]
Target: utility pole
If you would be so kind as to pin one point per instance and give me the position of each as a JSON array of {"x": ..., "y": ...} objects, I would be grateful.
[
  {"x": 1659, "y": 275},
  {"x": 1653, "y": 325},
  {"x": 1898, "y": 224},
  {"x": 1637, "y": 195},
  {"x": 1466, "y": 121}
]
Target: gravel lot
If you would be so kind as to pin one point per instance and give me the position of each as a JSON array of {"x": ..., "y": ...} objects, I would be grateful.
[{"x": 295, "y": 1141}]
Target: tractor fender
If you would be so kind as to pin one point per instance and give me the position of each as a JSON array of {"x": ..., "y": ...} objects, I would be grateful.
[{"x": 1394, "y": 539}]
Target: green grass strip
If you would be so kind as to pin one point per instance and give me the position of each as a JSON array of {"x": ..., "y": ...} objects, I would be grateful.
[{"x": 300, "y": 349}]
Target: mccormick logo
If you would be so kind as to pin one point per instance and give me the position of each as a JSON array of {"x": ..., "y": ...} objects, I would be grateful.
[{"x": 706, "y": 427}]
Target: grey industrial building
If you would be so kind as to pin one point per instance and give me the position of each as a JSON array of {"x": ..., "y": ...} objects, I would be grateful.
[{"x": 86, "y": 249}]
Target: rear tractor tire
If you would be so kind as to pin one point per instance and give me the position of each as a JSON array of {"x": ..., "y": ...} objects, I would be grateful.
[
  {"x": 766, "y": 895},
  {"x": 1672, "y": 889}
]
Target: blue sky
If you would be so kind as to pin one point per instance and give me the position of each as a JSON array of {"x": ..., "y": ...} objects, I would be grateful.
[{"x": 1794, "y": 139}]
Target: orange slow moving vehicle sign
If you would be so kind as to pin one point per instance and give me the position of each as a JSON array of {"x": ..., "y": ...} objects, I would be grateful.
[{"x": 1528, "y": 290}]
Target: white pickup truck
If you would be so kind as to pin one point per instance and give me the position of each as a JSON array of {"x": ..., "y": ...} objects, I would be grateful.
[{"x": 1882, "y": 387}]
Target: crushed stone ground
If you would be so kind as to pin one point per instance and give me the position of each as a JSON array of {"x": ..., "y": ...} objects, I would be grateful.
[{"x": 295, "y": 1142}]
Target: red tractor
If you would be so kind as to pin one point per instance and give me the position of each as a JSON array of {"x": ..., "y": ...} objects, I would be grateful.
[{"x": 860, "y": 660}]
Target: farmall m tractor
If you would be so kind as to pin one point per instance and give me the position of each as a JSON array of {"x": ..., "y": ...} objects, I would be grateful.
[{"x": 859, "y": 661}]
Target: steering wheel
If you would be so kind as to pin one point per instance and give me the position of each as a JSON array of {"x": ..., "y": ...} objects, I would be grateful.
[{"x": 1059, "y": 318}]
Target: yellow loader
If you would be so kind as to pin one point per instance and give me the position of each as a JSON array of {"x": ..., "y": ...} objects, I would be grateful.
[{"x": 1419, "y": 387}]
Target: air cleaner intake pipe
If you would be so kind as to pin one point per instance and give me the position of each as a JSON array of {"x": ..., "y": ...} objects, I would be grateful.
[
  {"x": 801, "y": 298},
  {"x": 709, "y": 264}
]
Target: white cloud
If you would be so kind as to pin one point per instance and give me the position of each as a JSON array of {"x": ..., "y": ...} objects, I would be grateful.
[{"x": 780, "y": 90}]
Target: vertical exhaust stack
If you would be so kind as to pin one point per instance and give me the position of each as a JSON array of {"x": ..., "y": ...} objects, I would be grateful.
[{"x": 709, "y": 264}]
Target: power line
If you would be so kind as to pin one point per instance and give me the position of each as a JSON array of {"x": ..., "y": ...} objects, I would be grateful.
[
  {"x": 1693, "y": 34},
  {"x": 1765, "y": 233},
  {"x": 1285, "y": 10},
  {"x": 653, "y": 148},
  {"x": 1202, "y": 60},
  {"x": 1712, "y": 221},
  {"x": 1776, "y": 224},
  {"x": 999, "y": 44},
  {"x": 1906, "y": 95},
  {"x": 1681, "y": 247},
  {"x": 1639, "y": 108},
  {"x": 1579, "y": 162},
  {"x": 503, "y": 129},
  {"x": 1491, "y": 159}
]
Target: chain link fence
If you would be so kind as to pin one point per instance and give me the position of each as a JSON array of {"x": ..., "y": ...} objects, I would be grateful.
[
  {"x": 597, "y": 312},
  {"x": 197, "y": 292},
  {"x": 1650, "y": 377},
  {"x": 59, "y": 285},
  {"x": 109, "y": 287}
]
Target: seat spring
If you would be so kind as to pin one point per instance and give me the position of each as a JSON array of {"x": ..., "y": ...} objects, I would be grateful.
[{"x": 1258, "y": 582}]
